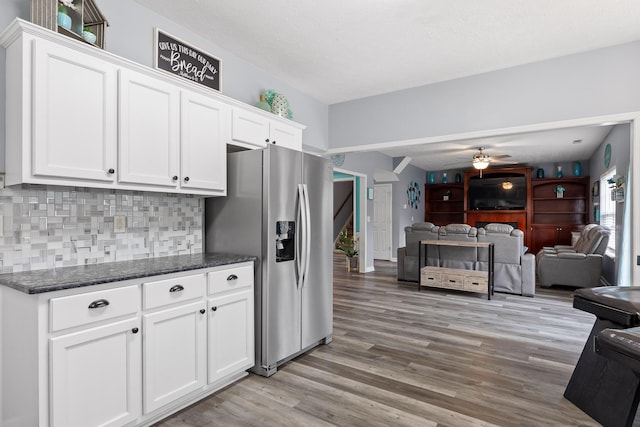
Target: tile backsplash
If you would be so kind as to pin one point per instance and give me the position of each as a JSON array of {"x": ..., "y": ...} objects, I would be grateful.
[{"x": 55, "y": 226}]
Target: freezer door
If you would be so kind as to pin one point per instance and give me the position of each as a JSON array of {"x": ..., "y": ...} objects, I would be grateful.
[
  {"x": 317, "y": 291},
  {"x": 281, "y": 295}
]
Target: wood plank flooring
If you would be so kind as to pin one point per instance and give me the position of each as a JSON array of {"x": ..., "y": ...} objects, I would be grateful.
[{"x": 400, "y": 357}]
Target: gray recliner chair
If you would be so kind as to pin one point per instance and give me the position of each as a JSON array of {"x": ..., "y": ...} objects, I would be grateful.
[
  {"x": 408, "y": 256},
  {"x": 514, "y": 270},
  {"x": 580, "y": 266}
]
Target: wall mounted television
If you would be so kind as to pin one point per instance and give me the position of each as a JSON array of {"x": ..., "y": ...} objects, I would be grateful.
[{"x": 491, "y": 193}]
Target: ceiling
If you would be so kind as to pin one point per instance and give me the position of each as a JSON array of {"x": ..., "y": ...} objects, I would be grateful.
[{"x": 337, "y": 51}]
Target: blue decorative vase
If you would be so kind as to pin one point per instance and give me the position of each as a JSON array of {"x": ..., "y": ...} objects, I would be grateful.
[
  {"x": 444, "y": 178},
  {"x": 577, "y": 169},
  {"x": 458, "y": 178},
  {"x": 432, "y": 178},
  {"x": 559, "y": 172},
  {"x": 64, "y": 20},
  {"x": 540, "y": 173}
]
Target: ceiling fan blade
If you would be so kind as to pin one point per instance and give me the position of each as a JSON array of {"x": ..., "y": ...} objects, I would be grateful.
[{"x": 501, "y": 156}]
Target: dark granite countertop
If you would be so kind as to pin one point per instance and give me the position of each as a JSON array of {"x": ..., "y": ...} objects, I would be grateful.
[{"x": 39, "y": 281}]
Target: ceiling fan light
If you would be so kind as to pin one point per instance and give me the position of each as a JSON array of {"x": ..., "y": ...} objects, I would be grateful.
[{"x": 480, "y": 161}]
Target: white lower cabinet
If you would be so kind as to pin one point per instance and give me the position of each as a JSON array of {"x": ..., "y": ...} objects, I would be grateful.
[
  {"x": 231, "y": 344},
  {"x": 95, "y": 376},
  {"x": 125, "y": 353},
  {"x": 175, "y": 353}
]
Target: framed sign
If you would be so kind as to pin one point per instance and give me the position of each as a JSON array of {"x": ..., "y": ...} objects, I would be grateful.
[{"x": 178, "y": 58}]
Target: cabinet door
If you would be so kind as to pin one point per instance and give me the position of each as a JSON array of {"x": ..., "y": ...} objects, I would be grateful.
[
  {"x": 74, "y": 114},
  {"x": 285, "y": 136},
  {"x": 174, "y": 354},
  {"x": 231, "y": 339},
  {"x": 96, "y": 376},
  {"x": 249, "y": 128},
  {"x": 149, "y": 131},
  {"x": 205, "y": 133}
]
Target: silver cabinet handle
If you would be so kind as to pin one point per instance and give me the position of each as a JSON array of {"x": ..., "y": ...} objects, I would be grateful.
[
  {"x": 232, "y": 277},
  {"x": 99, "y": 303},
  {"x": 176, "y": 288}
]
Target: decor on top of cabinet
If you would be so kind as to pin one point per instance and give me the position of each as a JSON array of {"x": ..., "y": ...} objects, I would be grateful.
[
  {"x": 559, "y": 172},
  {"x": 263, "y": 104},
  {"x": 413, "y": 195},
  {"x": 71, "y": 18},
  {"x": 577, "y": 169},
  {"x": 89, "y": 36},
  {"x": 559, "y": 190},
  {"x": 279, "y": 104},
  {"x": 183, "y": 60}
]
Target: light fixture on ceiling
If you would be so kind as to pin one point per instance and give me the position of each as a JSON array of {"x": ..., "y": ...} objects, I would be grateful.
[
  {"x": 480, "y": 161},
  {"x": 507, "y": 185}
]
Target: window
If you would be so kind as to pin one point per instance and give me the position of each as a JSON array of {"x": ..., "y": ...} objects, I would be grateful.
[{"x": 608, "y": 210}]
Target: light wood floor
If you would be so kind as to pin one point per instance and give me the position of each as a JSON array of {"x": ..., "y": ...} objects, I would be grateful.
[{"x": 400, "y": 357}]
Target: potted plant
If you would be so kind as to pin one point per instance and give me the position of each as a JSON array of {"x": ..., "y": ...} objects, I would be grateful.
[
  {"x": 88, "y": 35},
  {"x": 616, "y": 184},
  {"x": 348, "y": 245},
  {"x": 559, "y": 190},
  {"x": 64, "y": 20}
]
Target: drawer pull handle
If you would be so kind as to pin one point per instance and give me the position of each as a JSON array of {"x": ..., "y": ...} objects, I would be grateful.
[
  {"x": 232, "y": 277},
  {"x": 202, "y": 311},
  {"x": 452, "y": 281},
  {"x": 176, "y": 288},
  {"x": 214, "y": 308},
  {"x": 99, "y": 303},
  {"x": 135, "y": 330},
  {"x": 475, "y": 283}
]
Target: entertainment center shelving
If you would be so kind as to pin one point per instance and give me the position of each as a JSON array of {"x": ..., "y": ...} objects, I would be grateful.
[{"x": 546, "y": 219}]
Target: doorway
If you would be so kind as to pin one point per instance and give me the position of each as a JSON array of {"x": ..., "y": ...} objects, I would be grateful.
[{"x": 358, "y": 184}]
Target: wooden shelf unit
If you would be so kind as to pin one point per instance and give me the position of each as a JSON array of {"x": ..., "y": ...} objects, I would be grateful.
[
  {"x": 554, "y": 218},
  {"x": 440, "y": 211}
]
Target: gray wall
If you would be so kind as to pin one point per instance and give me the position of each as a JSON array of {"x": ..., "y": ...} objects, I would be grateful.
[
  {"x": 620, "y": 140},
  {"x": 594, "y": 83},
  {"x": 367, "y": 164},
  {"x": 402, "y": 213}
]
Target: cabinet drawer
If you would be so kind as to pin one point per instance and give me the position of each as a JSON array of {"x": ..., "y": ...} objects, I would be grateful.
[
  {"x": 170, "y": 291},
  {"x": 76, "y": 310},
  {"x": 430, "y": 277},
  {"x": 476, "y": 283},
  {"x": 453, "y": 281},
  {"x": 230, "y": 279}
]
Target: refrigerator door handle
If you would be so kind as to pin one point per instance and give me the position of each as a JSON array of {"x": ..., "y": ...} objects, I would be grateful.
[
  {"x": 307, "y": 235},
  {"x": 300, "y": 250}
]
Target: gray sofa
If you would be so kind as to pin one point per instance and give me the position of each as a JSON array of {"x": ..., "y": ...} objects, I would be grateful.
[
  {"x": 514, "y": 269},
  {"x": 579, "y": 265}
]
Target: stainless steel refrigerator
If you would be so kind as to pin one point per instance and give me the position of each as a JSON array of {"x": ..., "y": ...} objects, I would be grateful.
[{"x": 279, "y": 208}]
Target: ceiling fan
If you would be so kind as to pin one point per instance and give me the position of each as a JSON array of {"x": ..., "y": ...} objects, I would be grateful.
[{"x": 481, "y": 160}]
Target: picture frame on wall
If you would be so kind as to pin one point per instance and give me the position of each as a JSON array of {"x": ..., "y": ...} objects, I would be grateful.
[{"x": 181, "y": 59}]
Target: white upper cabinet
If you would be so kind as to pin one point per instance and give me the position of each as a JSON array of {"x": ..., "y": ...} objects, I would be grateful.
[
  {"x": 149, "y": 130},
  {"x": 80, "y": 116},
  {"x": 253, "y": 130},
  {"x": 204, "y": 137},
  {"x": 74, "y": 115},
  {"x": 249, "y": 129}
]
